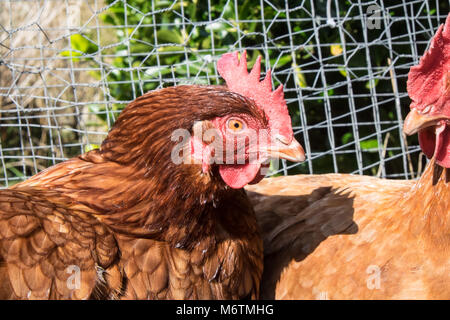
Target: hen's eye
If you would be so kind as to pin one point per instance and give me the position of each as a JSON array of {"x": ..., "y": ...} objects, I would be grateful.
[{"x": 235, "y": 125}]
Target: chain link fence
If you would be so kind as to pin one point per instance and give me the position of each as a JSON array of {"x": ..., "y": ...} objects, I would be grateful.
[{"x": 68, "y": 67}]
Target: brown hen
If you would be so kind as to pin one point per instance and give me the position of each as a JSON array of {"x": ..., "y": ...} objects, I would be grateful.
[
  {"x": 128, "y": 221},
  {"x": 340, "y": 236}
]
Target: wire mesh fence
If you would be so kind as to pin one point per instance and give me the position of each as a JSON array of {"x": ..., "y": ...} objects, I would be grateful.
[{"x": 68, "y": 67}]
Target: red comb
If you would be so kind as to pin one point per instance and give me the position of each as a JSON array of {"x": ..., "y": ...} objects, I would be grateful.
[
  {"x": 247, "y": 84},
  {"x": 429, "y": 81}
]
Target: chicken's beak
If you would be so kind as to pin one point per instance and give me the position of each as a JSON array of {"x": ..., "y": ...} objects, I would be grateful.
[
  {"x": 292, "y": 151},
  {"x": 416, "y": 121}
]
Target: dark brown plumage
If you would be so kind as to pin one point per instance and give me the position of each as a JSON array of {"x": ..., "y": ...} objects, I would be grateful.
[{"x": 135, "y": 224}]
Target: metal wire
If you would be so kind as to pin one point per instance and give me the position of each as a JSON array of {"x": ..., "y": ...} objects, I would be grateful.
[{"x": 59, "y": 97}]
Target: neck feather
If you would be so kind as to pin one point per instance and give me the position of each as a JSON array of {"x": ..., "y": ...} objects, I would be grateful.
[
  {"x": 132, "y": 185},
  {"x": 428, "y": 200},
  {"x": 183, "y": 207}
]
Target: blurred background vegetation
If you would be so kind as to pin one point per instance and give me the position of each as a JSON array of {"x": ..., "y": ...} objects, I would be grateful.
[{"x": 345, "y": 84}]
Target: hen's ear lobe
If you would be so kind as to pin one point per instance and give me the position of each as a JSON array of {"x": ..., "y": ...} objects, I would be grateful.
[{"x": 205, "y": 131}]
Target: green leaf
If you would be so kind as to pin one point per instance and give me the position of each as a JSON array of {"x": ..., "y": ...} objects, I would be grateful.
[
  {"x": 171, "y": 48},
  {"x": 347, "y": 137},
  {"x": 79, "y": 47},
  {"x": 299, "y": 77},
  {"x": 90, "y": 147},
  {"x": 391, "y": 115},
  {"x": 73, "y": 54},
  {"x": 281, "y": 62},
  {"x": 78, "y": 42},
  {"x": 342, "y": 71},
  {"x": 15, "y": 171},
  {"x": 206, "y": 43},
  {"x": 68, "y": 53},
  {"x": 370, "y": 84},
  {"x": 169, "y": 36},
  {"x": 369, "y": 145}
]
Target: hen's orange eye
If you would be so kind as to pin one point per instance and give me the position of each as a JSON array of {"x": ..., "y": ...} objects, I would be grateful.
[{"x": 235, "y": 125}]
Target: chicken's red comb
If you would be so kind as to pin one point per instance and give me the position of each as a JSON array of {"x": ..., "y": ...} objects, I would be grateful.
[
  {"x": 429, "y": 81},
  {"x": 238, "y": 80}
]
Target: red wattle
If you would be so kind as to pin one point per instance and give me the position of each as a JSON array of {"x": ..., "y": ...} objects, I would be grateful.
[
  {"x": 443, "y": 148},
  {"x": 427, "y": 141},
  {"x": 238, "y": 176}
]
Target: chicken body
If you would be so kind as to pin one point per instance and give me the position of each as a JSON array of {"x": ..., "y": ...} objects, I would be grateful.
[
  {"x": 354, "y": 237},
  {"x": 340, "y": 236},
  {"x": 125, "y": 222}
]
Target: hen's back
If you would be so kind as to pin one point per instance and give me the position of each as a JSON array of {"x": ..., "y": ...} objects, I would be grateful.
[{"x": 322, "y": 233}]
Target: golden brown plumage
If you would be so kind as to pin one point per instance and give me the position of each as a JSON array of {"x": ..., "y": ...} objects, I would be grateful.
[
  {"x": 136, "y": 225},
  {"x": 353, "y": 237},
  {"x": 340, "y": 236}
]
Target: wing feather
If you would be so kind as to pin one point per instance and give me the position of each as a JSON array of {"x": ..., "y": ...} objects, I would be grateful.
[{"x": 51, "y": 250}]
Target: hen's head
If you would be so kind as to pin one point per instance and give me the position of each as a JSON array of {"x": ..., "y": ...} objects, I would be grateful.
[
  {"x": 229, "y": 132},
  {"x": 429, "y": 90},
  {"x": 248, "y": 144}
]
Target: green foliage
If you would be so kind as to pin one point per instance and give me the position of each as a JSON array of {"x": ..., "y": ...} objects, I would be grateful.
[
  {"x": 369, "y": 145},
  {"x": 177, "y": 48},
  {"x": 156, "y": 46},
  {"x": 80, "y": 46}
]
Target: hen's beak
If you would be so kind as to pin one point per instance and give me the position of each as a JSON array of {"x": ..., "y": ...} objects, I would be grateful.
[
  {"x": 416, "y": 121},
  {"x": 292, "y": 151}
]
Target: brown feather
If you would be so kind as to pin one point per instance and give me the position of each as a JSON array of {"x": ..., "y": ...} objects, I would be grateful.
[
  {"x": 327, "y": 236},
  {"x": 135, "y": 224}
]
